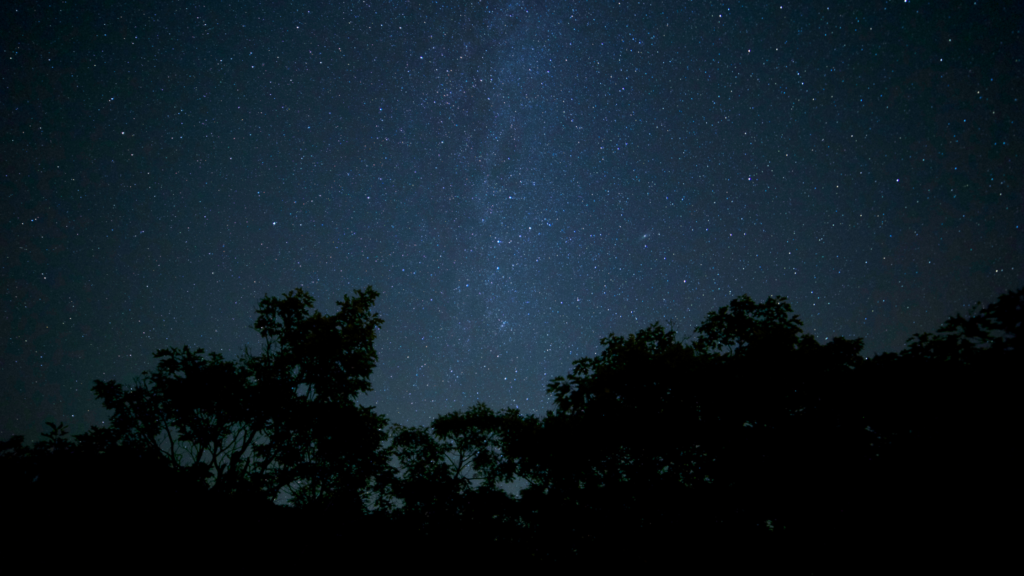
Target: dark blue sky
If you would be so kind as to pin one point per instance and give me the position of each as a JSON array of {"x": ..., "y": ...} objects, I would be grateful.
[{"x": 517, "y": 179}]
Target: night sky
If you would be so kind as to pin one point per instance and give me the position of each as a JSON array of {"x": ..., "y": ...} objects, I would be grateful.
[{"x": 517, "y": 179}]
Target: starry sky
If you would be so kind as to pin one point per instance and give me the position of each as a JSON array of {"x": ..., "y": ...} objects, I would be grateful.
[{"x": 517, "y": 179}]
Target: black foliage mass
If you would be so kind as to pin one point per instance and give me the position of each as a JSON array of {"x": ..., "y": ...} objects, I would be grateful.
[{"x": 749, "y": 435}]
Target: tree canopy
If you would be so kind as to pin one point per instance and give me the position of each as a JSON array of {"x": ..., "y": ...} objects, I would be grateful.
[
  {"x": 280, "y": 424},
  {"x": 750, "y": 427}
]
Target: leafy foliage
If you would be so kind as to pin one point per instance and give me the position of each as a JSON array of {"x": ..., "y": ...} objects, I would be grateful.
[
  {"x": 455, "y": 467},
  {"x": 750, "y": 427},
  {"x": 985, "y": 333},
  {"x": 283, "y": 423},
  {"x": 744, "y": 326}
]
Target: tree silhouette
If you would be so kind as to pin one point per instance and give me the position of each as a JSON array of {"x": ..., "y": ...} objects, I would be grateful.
[
  {"x": 750, "y": 431},
  {"x": 944, "y": 420},
  {"x": 280, "y": 424},
  {"x": 327, "y": 450},
  {"x": 451, "y": 477},
  {"x": 987, "y": 333},
  {"x": 745, "y": 326},
  {"x": 722, "y": 432}
]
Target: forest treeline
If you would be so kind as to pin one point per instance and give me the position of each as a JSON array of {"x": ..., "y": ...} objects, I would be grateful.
[{"x": 748, "y": 430}]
